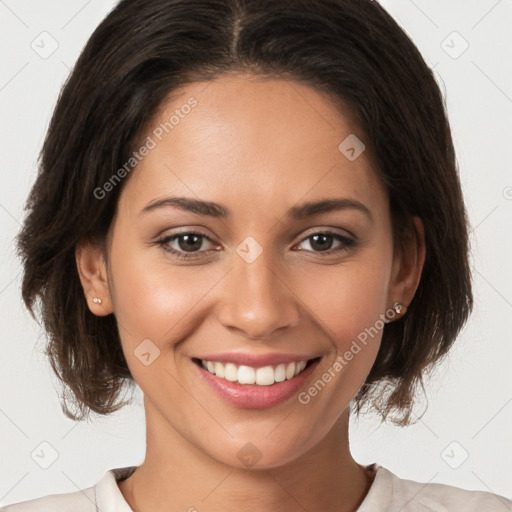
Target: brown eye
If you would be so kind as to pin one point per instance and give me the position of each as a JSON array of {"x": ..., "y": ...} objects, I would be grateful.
[
  {"x": 189, "y": 242},
  {"x": 186, "y": 245},
  {"x": 323, "y": 242}
]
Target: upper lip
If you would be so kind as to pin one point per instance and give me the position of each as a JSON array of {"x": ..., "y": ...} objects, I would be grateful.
[{"x": 256, "y": 360}]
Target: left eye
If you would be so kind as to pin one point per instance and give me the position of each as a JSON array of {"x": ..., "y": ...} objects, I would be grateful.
[{"x": 322, "y": 242}]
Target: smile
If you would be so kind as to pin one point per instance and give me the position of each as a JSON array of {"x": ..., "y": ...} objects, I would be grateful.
[
  {"x": 264, "y": 376},
  {"x": 255, "y": 381}
]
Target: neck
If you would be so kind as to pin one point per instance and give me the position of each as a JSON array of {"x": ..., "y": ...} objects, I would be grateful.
[{"x": 175, "y": 476}]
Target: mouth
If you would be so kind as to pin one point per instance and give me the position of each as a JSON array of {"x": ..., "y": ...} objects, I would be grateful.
[
  {"x": 249, "y": 375},
  {"x": 255, "y": 385}
]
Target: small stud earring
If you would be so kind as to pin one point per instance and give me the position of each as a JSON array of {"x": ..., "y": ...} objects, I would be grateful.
[
  {"x": 96, "y": 300},
  {"x": 397, "y": 307}
]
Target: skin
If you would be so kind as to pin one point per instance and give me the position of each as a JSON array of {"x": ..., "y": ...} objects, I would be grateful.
[{"x": 258, "y": 147}]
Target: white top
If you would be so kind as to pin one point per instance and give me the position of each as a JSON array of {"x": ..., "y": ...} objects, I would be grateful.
[{"x": 388, "y": 493}]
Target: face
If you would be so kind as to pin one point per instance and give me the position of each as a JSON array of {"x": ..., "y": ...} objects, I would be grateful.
[{"x": 248, "y": 277}]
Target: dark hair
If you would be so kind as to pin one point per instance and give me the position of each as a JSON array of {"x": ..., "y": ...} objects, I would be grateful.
[{"x": 145, "y": 49}]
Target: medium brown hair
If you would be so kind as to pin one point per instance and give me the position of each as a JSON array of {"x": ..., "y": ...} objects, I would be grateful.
[{"x": 145, "y": 49}]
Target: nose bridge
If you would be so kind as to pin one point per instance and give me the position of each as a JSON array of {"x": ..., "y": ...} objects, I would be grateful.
[{"x": 256, "y": 301}]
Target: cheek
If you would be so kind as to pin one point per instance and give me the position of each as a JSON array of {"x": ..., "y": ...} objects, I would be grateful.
[
  {"x": 348, "y": 300},
  {"x": 152, "y": 297}
]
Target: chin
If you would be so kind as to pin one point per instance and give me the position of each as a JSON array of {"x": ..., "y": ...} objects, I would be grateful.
[{"x": 259, "y": 454}]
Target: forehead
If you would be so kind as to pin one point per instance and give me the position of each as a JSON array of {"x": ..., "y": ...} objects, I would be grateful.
[{"x": 260, "y": 138}]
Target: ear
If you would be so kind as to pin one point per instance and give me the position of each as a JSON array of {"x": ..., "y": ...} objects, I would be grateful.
[
  {"x": 92, "y": 271},
  {"x": 407, "y": 267}
]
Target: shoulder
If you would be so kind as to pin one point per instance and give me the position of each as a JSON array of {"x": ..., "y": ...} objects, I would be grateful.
[
  {"x": 410, "y": 496},
  {"x": 79, "y": 501},
  {"x": 446, "y": 498},
  {"x": 104, "y": 496}
]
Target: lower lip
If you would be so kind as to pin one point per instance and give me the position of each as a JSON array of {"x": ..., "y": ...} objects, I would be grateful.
[{"x": 248, "y": 396}]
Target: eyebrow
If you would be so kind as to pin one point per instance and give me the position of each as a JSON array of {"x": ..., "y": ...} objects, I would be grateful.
[{"x": 296, "y": 212}]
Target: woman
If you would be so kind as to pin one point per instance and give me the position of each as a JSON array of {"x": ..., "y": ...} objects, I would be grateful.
[{"x": 252, "y": 211}]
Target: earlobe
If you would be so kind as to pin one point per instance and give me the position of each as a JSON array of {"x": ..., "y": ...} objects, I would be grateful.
[
  {"x": 407, "y": 268},
  {"x": 92, "y": 271}
]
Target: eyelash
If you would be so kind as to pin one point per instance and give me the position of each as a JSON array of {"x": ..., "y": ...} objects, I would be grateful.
[{"x": 346, "y": 243}]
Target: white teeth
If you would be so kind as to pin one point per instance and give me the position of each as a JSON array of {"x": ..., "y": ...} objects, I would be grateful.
[
  {"x": 290, "y": 371},
  {"x": 246, "y": 375},
  {"x": 219, "y": 370},
  {"x": 265, "y": 376},
  {"x": 280, "y": 373},
  {"x": 230, "y": 372}
]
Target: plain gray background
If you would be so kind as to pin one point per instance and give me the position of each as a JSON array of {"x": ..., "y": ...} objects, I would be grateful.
[{"x": 464, "y": 437}]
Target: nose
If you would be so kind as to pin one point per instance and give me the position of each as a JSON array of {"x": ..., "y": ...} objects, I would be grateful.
[{"x": 257, "y": 300}]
